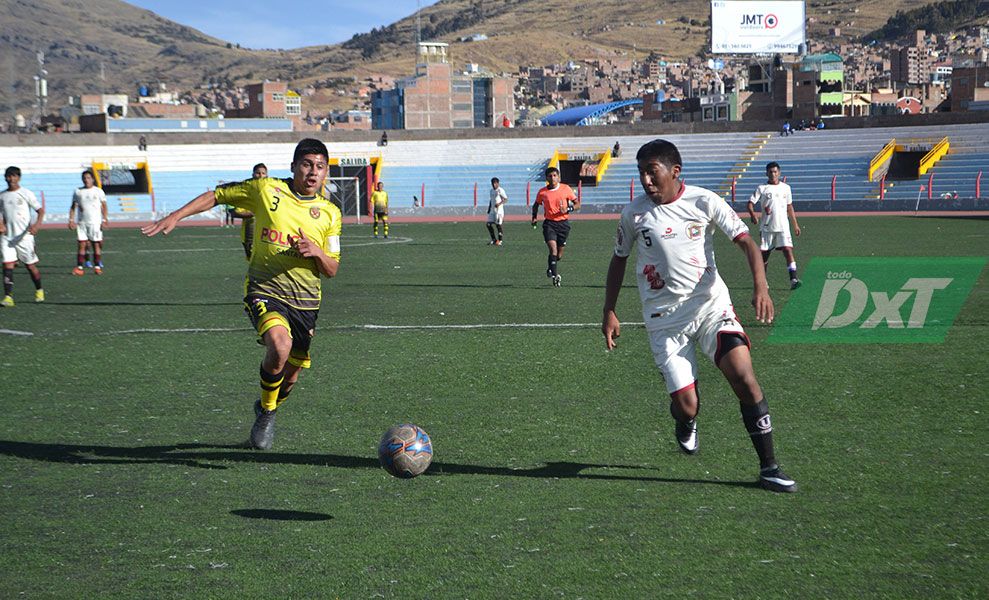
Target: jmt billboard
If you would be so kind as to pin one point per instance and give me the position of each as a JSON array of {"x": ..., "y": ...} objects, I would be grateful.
[{"x": 757, "y": 27}]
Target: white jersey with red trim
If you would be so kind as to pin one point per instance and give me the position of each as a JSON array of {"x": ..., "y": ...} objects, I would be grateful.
[
  {"x": 773, "y": 198},
  {"x": 16, "y": 207},
  {"x": 674, "y": 242}
]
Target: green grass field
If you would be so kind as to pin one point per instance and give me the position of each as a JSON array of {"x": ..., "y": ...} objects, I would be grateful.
[{"x": 555, "y": 474}]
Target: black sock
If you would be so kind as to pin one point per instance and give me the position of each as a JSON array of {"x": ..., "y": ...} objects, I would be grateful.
[
  {"x": 501, "y": 233},
  {"x": 8, "y": 281},
  {"x": 491, "y": 231},
  {"x": 36, "y": 278},
  {"x": 80, "y": 259},
  {"x": 760, "y": 428},
  {"x": 552, "y": 264}
]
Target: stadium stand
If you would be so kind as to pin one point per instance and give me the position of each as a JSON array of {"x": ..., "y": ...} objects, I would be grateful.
[{"x": 447, "y": 170}]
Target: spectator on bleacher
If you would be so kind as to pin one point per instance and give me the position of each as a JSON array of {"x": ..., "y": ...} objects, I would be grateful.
[
  {"x": 616, "y": 151},
  {"x": 558, "y": 201},
  {"x": 786, "y": 129},
  {"x": 91, "y": 204},
  {"x": 685, "y": 303},
  {"x": 820, "y": 124},
  {"x": 776, "y": 200},
  {"x": 496, "y": 211},
  {"x": 379, "y": 205},
  {"x": 17, "y": 234},
  {"x": 384, "y": 139},
  {"x": 142, "y": 144}
]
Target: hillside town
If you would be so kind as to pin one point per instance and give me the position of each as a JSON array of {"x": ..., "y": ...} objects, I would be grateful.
[{"x": 831, "y": 78}]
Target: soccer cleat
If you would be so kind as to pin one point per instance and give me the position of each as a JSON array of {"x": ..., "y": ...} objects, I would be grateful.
[
  {"x": 98, "y": 269},
  {"x": 263, "y": 430},
  {"x": 39, "y": 295},
  {"x": 775, "y": 480},
  {"x": 498, "y": 243},
  {"x": 686, "y": 434},
  {"x": 89, "y": 264},
  {"x": 492, "y": 243},
  {"x": 78, "y": 271},
  {"x": 556, "y": 280},
  {"x": 549, "y": 272},
  {"x": 7, "y": 301},
  {"x": 794, "y": 284}
]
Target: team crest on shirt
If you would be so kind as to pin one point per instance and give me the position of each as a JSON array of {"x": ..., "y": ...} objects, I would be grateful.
[
  {"x": 314, "y": 212},
  {"x": 694, "y": 230}
]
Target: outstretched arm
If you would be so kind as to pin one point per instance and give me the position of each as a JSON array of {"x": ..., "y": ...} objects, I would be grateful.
[
  {"x": 200, "y": 203},
  {"x": 610, "y": 326},
  {"x": 761, "y": 301}
]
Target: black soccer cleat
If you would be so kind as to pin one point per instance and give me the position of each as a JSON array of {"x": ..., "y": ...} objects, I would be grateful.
[
  {"x": 794, "y": 284},
  {"x": 686, "y": 434},
  {"x": 775, "y": 480},
  {"x": 557, "y": 280},
  {"x": 263, "y": 430}
]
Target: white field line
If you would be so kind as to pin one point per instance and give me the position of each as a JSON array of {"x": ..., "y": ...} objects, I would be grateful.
[
  {"x": 15, "y": 332},
  {"x": 365, "y": 327}
]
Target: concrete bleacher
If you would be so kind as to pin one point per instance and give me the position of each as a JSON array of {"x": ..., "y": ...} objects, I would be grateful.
[
  {"x": 811, "y": 159},
  {"x": 449, "y": 169}
]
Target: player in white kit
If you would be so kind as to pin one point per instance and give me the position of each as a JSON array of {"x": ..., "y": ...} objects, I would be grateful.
[
  {"x": 496, "y": 211},
  {"x": 90, "y": 202},
  {"x": 776, "y": 201},
  {"x": 17, "y": 234},
  {"x": 685, "y": 304}
]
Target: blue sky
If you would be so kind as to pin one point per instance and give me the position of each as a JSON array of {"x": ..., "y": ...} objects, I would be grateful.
[{"x": 298, "y": 23}]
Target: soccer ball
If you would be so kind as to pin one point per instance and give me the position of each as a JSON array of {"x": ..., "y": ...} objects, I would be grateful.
[{"x": 405, "y": 451}]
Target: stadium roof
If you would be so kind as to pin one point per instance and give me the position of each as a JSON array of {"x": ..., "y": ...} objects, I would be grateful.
[{"x": 583, "y": 115}]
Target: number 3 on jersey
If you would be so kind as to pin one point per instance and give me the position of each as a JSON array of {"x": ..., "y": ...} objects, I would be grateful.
[{"x": 655, "y": 280}]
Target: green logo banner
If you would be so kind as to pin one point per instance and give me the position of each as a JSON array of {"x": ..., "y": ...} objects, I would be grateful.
[{"x": 873, "y": 300}]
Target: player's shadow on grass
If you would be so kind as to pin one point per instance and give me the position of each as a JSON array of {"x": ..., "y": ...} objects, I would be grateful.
[
  {"x": 124, "y": 303},
  {"x": 280, "y": 515},
  {"x": 203, "y": 456}
]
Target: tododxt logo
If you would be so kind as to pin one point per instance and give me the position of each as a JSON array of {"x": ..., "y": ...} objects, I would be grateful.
[{"x": 877, "y": 300}]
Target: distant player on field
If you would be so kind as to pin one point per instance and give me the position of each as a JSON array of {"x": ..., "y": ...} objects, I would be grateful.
[
  {"x": 259, "y": 171},
  {"x": 379, "y": 204},
  {"x": 558, "y": 201},
  {"x": 685, "y": 303},
  {"x": 296, "y": 239},
  {"x": 90, "y": 202},
  {"x": 17, "y": 234},
  {"x": 776, "y": 202},
  {"x": 496, "y": 211}
]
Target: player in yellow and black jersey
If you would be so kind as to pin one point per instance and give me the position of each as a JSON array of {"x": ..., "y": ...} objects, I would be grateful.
[
  {"x": 379, "y": 204},
  {"x": 296, "y": 239},
  {"x": 260, "y": 171}
]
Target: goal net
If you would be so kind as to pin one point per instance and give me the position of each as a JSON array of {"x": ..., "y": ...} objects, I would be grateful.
[{"x": 345, "y": 192}]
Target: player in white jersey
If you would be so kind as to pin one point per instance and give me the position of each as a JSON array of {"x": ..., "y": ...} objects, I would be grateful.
[
  {"x": 496, "y": 211},
  {"x": 17, "y": 234},
  {"x": 685, "y": 303},
  {"x": 776, "y": 201},
  {"x": 90, "y": 201}
]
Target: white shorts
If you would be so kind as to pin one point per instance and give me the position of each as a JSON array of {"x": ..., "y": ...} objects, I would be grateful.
[
  {"x": 496, "y": 216},
  {"x": 19, "y": 249},
  {"x": 675, "y": 351},
  {"x": 775, "y": 239},
  {"x": 92, "y": 232}
]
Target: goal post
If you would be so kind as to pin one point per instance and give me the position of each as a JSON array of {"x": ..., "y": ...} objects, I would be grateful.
[{"x": 345, "y": 192}]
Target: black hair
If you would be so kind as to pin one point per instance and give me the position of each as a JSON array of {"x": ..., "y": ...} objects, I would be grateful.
[
  {"x": 12, "y": 171},
  {"x": 771, "y": 165},
  {"x": 663, "y": 151},
  {"x": 265, "y": 167},
  {"x": 310, "y": 146},
  {"x": 552, "y": 170},
  {"x": 495, "y": 180},
  {"x": 91, "y": 174}
]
